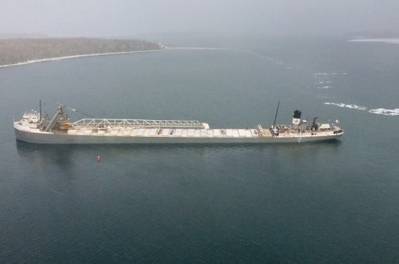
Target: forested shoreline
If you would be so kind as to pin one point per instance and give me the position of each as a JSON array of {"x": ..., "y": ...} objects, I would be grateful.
[{"x": 14, "y": 51}]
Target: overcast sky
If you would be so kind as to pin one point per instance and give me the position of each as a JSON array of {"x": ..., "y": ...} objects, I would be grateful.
[{"x": 131, "y": 17}]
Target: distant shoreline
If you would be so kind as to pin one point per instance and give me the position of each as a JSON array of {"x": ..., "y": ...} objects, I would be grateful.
[
  {"x": 88, "y": 55},
  {"x": 77, "y": 57},
  {"x": 377, "y": 40},
  {"x": 19, "y": 52}
]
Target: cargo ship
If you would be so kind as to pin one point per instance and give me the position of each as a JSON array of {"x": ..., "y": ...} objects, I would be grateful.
[{"x": 34, "y": 127}]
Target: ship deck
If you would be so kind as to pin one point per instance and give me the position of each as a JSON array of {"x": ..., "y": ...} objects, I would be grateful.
[
  {"x": 193, "y": 133},
  {"x": 167, "y": 132}
]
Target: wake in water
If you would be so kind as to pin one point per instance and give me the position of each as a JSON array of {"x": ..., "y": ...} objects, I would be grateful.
[
  {"x": 195, "y": 48},
  {"x": 385, "y": 112},
  {"x": 325, "y": 80},
  {"x": 350, "y": 106},
  {"x": 324, "y": 87},
  {"x": 258, "y": 55},
  {"x": 376, "y": 111},
  {"x": 330, "y": 73}
]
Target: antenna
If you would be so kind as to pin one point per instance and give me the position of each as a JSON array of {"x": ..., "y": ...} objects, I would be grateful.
[{"x": 275, "y": 116}]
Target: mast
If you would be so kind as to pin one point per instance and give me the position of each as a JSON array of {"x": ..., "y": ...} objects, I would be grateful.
[
  {"x": 275, "y": 116},
  {"x": 40, "y": 110}
]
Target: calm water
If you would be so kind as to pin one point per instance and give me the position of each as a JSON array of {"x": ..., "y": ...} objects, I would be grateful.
[{"x": 317, "y": 203}]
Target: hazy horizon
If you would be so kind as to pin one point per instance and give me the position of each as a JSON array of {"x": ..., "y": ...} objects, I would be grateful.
[{"x": 122, "y": 18}]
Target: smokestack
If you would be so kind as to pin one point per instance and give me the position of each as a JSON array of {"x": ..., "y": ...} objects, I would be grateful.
[{"x": 296, "y": 118}]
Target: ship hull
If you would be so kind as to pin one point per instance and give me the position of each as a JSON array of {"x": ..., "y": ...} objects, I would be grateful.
[{"x": 63, "y": 138}]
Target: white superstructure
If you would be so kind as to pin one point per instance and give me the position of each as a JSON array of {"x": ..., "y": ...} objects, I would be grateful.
[{"x": 60, "y": 130}]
